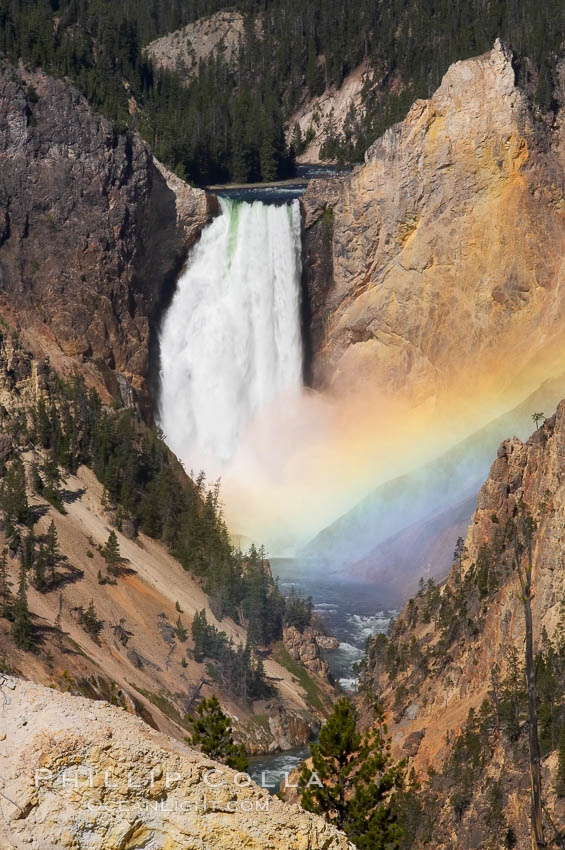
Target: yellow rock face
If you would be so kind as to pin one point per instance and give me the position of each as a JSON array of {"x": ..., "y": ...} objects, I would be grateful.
[{"x": 447, "y": 250}]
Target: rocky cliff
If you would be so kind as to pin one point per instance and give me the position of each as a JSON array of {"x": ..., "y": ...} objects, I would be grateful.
[
  {"x": 442, "y": 260},
  {"x": 451, "y": 671},
  {"x": 530, "y": 474},
  {"x": 331, "y": 108},
  {"x": 306, "y": 647},
  {"x": 183, "y": 50},
  {"x": 92, "y": 232},
  {"x": 78, "y": 774}
]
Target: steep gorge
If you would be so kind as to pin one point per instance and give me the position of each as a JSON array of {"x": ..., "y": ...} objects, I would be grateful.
[
  {"x": 427, "y": 271},
  {"x": 433, "y": 278},
  {"x": 93, "y": 233}
]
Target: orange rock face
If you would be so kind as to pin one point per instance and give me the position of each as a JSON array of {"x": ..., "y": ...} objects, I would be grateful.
[
  {"x": 526, "y": 477},
  {"x": 444, "y": 287}
]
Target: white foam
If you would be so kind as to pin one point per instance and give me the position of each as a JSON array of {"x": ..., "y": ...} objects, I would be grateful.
[{"x": 349, "y": 684}]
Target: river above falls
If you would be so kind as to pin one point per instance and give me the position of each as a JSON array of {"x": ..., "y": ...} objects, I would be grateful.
[{"x": 280, "y": 191}]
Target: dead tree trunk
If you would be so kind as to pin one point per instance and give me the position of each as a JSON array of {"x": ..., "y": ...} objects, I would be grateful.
[{"x": 525, "y": 576}]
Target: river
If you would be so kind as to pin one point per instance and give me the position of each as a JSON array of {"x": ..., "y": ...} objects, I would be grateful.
[
  {"x": 281, "y": 192},
  {"x": 352, "y": 611}
]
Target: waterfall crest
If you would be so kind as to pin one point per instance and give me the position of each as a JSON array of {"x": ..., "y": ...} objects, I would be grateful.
[{"x": 231, "y": 338}]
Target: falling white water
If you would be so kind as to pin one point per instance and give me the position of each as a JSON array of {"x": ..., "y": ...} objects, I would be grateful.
[{"x": 231, "y": 340}]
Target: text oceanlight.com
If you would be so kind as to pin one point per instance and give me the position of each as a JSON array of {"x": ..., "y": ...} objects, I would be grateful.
[{"x": 173, "y": 804}]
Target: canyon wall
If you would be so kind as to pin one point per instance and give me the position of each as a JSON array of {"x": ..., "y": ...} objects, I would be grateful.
[
  {"x": 525, "y": 475},
  {"x": 454, "y": 650},
  {"x": 92, "y": 232},
  {"x": 444, "y": 261},
  {"x": 138, "y": 659}
]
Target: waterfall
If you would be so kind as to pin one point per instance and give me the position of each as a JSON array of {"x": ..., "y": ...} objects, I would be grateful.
[{"x": 231, "y": 338}]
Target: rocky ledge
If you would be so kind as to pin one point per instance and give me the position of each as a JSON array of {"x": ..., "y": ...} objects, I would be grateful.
[{"x": 83, "y": 774}]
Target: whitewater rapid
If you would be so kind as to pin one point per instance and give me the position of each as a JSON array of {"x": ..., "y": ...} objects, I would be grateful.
[{"x": 231, "y": 338}]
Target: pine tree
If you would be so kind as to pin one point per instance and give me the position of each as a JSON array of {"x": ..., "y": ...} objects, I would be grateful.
[
  {"x": 39, "y": 579},
  {"x": 90, "y": 622},
  {"x": 13, "y": 496},
  {"x": 111, "y": 552},
  {"x": 6, "y": 600},
  {"x": 212, "y": 732},
  {"x": 22, "y": 627},
  {"x": 513, "y": 697},
  {"x": 182, "y": 633},
  {"x": 298, "y": 611},
  {"x": 52, "y": 553},
  {"x": 58, "y": 623},
  {"x": 353, "y": 780},
  {"x": 13, "y": 540},
  {"x": 52, "y": 480},
  {"x": 297, "y": 141},
  {"x": 199, "y": 631},
  {"x": 28, "y": 550},
  {"x": 42, "y": 424},
  {"x": 458, "y": 558},
  {"x": 267, "y": 153},
  {"x": 36, "y": 479}
]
